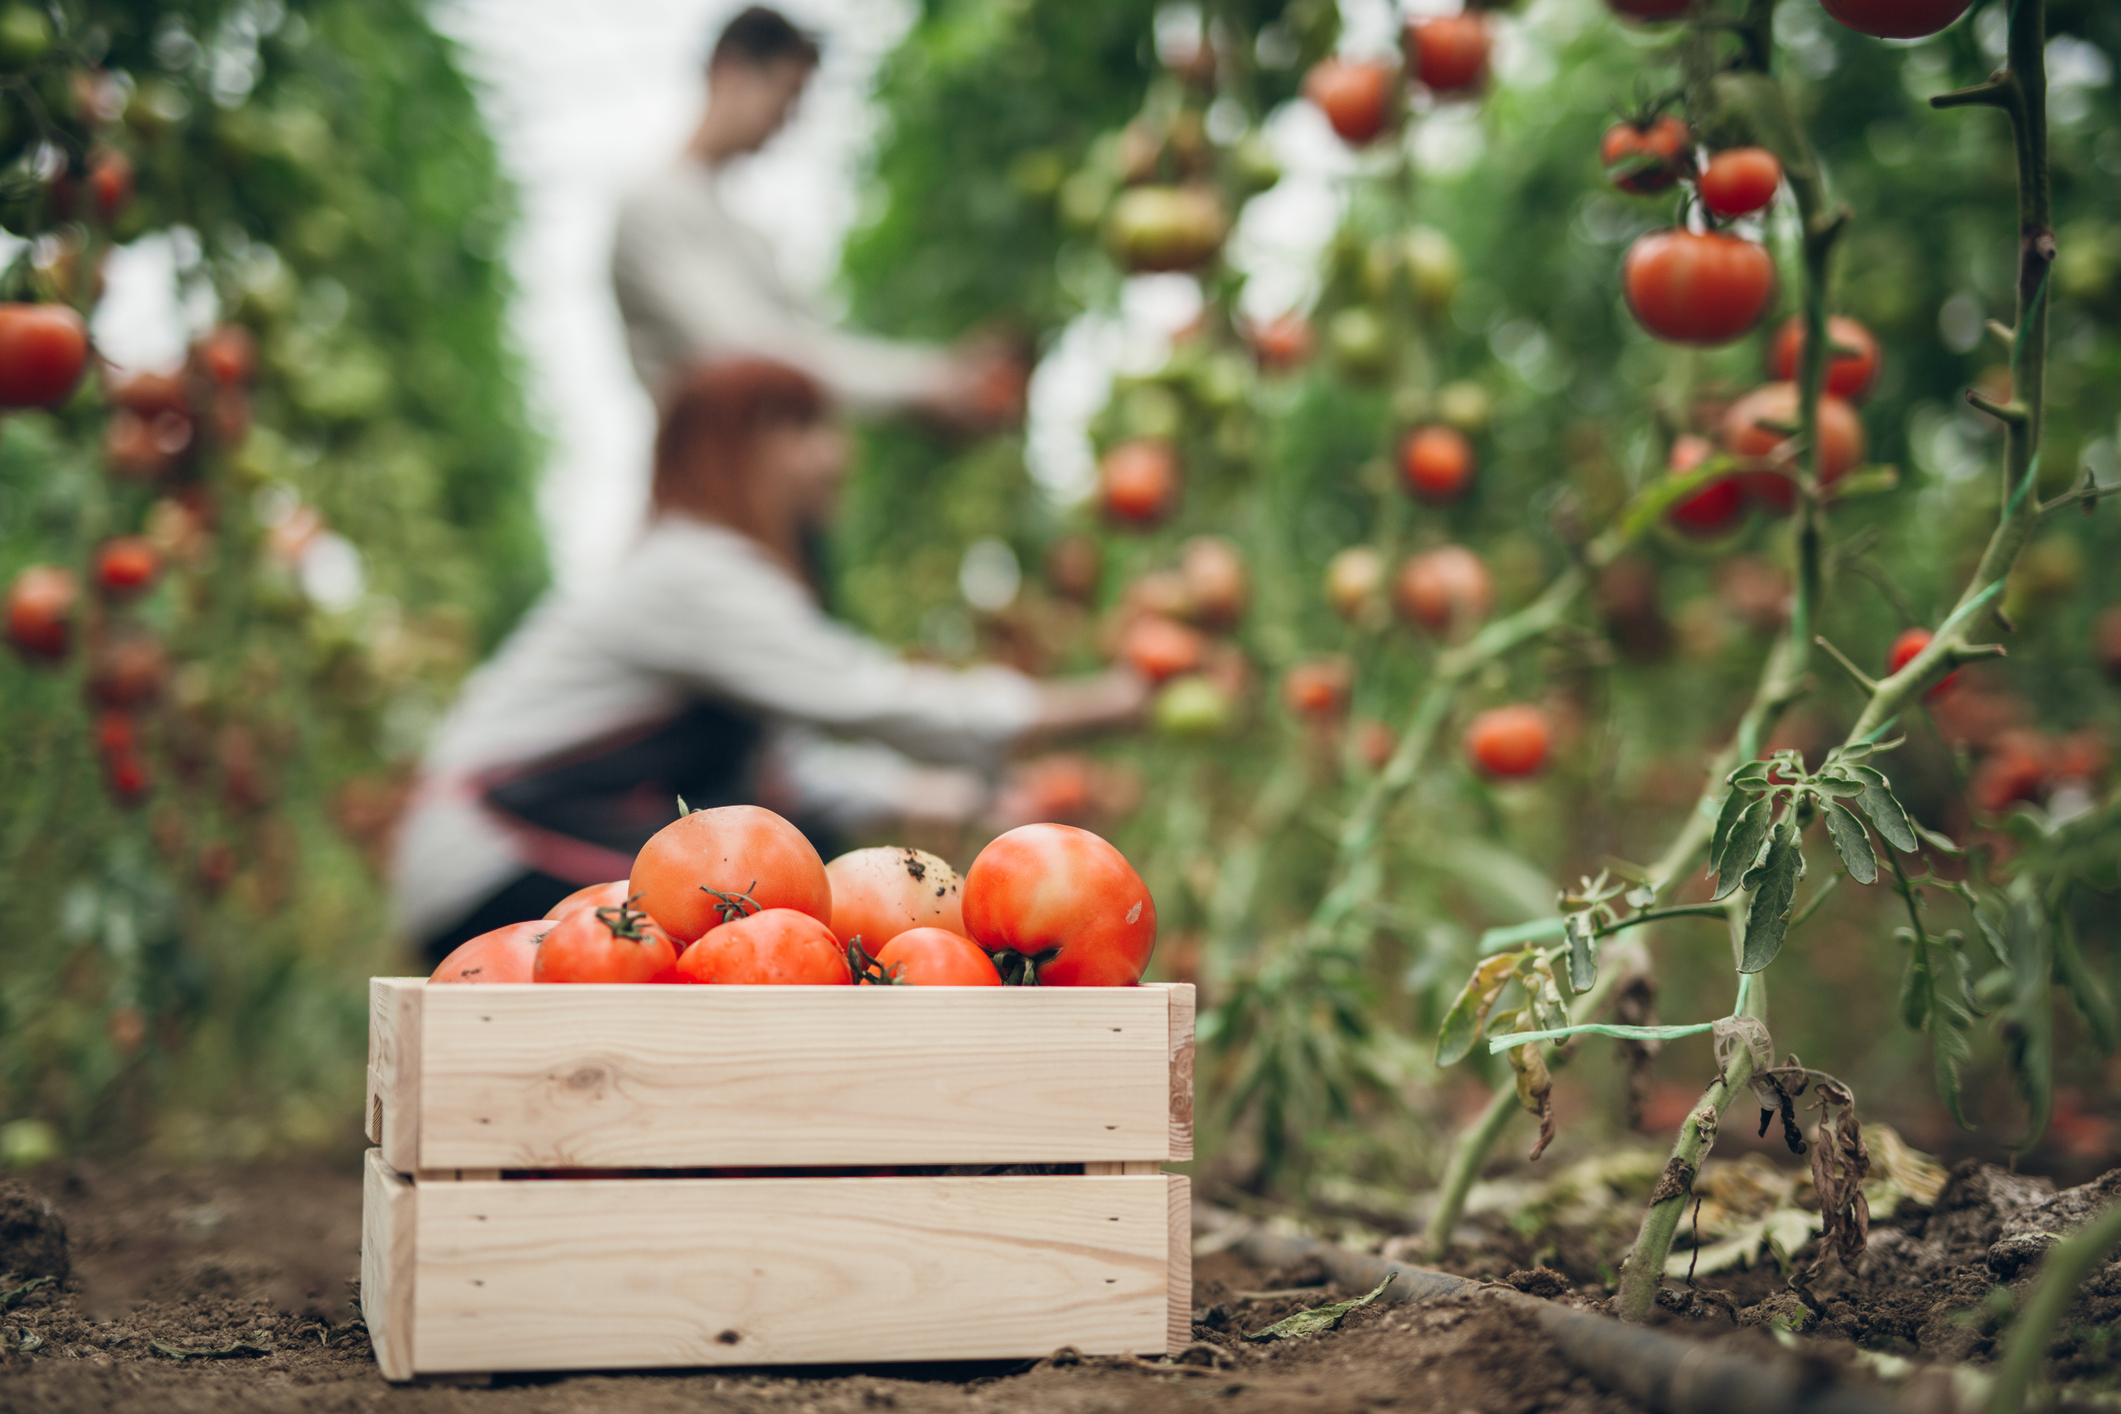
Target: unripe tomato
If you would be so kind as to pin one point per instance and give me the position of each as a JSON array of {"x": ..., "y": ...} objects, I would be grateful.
[
  {"x": 1647, "y": 10},
  {"x": 609, "y": 895},
  {"x": 878, "y": 894},
  {"x": 694, "y": 869},
  {"x": 1138, "y": 480},
  {"x": 40, "y": 612},
  {"x": 1447, "y": 591},
  {"x": 1217, "y": 584},
  {"x": 1354, "y": 578},
  {"x": 1066, "y": 899},
  {"x": 1841, "y": 439},
  {"x": 1690, "y": 288},
  {"x": 1356, "y": 97},
  {"x": 1433, "y": 265},
  {"x": 1283, "y": 342},
  {"x": 1359, "y": 341},
  {"x": 1646, "y": 157},
  {"x": 1449, "y": 53},
  {"x": 1166, "y": 228},
  {"x": 127, "y": 669},
  {"x": 1711, "y": 510},
  {"x": 1508, "y": 741},
  {"x": 507, "y": 954},
  {"x": 1896, "y": 19},
  {"x": 127, "y": 564},
  {"x": 1904, "y": 651},
  {"x": 935, "y": 957},
  {"x": 1740, "y": 180},
  {"x": 110, "y": 182},
  {"x": 1319, "y": 689},
  {"x": 1848, "y": 375},
  {"x": 43, "y": 348},
  {"x": 1436, "y": 463},
  {"x": 1160, "y": 648},
  {"x": 229, "y": 354},
  {"x": 605, "y": 945},
  {"x": 25, "y": 35},
  {"x": 777, "y": 948},
  {"x": 1192, "y": 705}
]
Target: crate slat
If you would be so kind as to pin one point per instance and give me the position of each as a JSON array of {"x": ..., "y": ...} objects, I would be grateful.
[
  {"x": 388, "y": 1235},
  {"x": 524, "y": 1077},
  {"x": 634, "y": 1273}
]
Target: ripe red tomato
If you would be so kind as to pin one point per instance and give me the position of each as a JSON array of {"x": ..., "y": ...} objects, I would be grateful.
[
  {"x": 1690, "y": 288},
  {"x": 1449, "y": 53},
  {"x": 1508, "y": 741},
  {"x": 1649, "y": 9},
  {"x": 1904, "y": 649},
  {"x": 1447, "y": 590},
  {"x": 1740, "y": 180},
  {"x": 609, "y": 895},
  {"x": 1318, "y": 689},
  {"x": 127, "y": 668},
  {"x": 1216, "y": 581},
  {"x": 878, "y": 894},
  {"x": 1067, "y": 900},
  {"x": 110, "y": 182},
  {"x": 1848, "y": 375},
  {"x": 1355, "y": 97},
  {"x": 1160, "y": 648},
  {"x": 1283, "y": 342},
  {"x": 605, "y": 945},
  {"x": 1711, "y": 510},
  {"x": 149, "y": 394},
  {"x": 1436, "y": 463},
  {"x": 127, "y": 564},
  {"x": 1841, "y": 439},
  {"x": 2017, "y": 767},
  {"x": 507, "y": 954},
  {"x": 777, "y": 948},
  {"x": 116, "y": 733},
  {"x": 229, "y": 354},
  {"x": 935, "y": 957},
  {"x": 691, "y": 872},
  {"x": 128, "y": 777},
  {"x": 43, "y": 348},
  {"x": 1896, "y": 19},
  {"x": 1646, "y": 157},
  {"x": 40, "y": 612},
  {"x": 1139, "y": 480}
]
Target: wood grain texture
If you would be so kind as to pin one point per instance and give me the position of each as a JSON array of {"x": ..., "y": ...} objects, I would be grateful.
[
  {"x": 637, "y": 1273},
  {"x": 1178, "y": 1282},
  {"x": 1181, "y": 1061},
  {"x": 394, "y": 1061},
  {"x": 389, "y": 1221},
  {"x": 616, "y": 1077}
]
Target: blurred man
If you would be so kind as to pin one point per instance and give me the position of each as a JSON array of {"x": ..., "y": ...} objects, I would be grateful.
[{"x": 695, "y": 284}]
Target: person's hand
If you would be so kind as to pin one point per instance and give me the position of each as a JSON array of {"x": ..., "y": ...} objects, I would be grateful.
[{"x": 1116, "y": 697}]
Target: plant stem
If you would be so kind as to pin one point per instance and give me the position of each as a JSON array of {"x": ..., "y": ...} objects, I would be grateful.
[{"x": 2063, "y": 1271}]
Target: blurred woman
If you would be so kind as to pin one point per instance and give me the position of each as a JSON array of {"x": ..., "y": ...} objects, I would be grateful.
[{"x": 704, "y": 668}]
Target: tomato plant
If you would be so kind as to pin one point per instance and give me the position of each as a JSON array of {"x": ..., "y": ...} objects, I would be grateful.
[
  {"x": 1509, "y": 741},
  {"x": 1139, "y": 481},
  {"x": 1896, "y": 19},
  {"x": 1064, "y": 900},
  {"x": 1852, "y": 367},
  {"x": 40, "y": 612},
  {"x": 1447, "y": 591},
  {"x": 1647, "y": 157},
  {"x": 710, "y": 865},
  {"x": 1449, "y": 54},
  {"x": 1756, "y": 426},
  {"x": 127, "y": 565},
  {"x": 1159, "y": 648},
  {"x": 1739, "y": 181}
]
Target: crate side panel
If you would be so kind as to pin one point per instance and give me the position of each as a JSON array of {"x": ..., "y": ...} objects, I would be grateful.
[
  {"x": 1181, "y": 1023},
  {"x": 643, "y": 1273},
  {"x": 392, "y": 1118},
  {"x": 388, "y": 1222},
  {"x": 619, "y": 1077}
]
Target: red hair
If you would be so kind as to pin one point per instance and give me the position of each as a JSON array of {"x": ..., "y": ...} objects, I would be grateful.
[{"x": 705, "y": 449}]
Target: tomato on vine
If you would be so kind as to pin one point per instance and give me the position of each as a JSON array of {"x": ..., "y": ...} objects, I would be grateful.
[
  {"x": 1740, "y": 180},
  {"x": 1067, "y": 902},
  {"x": 1356, "y": 96},
  {"x": 1436, "y": 463},
  {"x": 1752, "y": 428},
  {"x": 778, "y": 947},
  {"x": 1905, "y": 649},
  {"x": 1715, "y": 507},
  {"x": 1217, "y": 584},
  {"x": 1509, "y": 742},
  {"x": 605, "y": 945},
  {"x": 43, "y": 349},
  {"x": 1447, "y": 591},
  {"x": 1852, "y": 359},
  {"x": 1159, "y": 648},
  {"x": 713, "y": 864},
  {"x": 1283, "y": 342},
  {"x": 1319, "y": 689},
  {"x": 127, "y": 565},
  {"x": 1690, "y": 287},
  {"x": 1646, "y": 157},
  {"x": 1138, "y": 480},
  {"x": 40, "y": 612},
  {"x": 1449, "y": 54},
  {"x": 1896, "y": 19},
  {"x": 1354, "y": 579},
  {"x": 507, "y": 954}
]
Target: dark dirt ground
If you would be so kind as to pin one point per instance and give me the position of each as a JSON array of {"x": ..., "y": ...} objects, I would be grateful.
[{"x": 233, "y": 1290}]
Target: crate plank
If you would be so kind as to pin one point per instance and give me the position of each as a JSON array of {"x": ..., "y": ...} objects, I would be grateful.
[
  {"x": 388, "y": 1230},
  {"x": 633, "y": 1273},
  {"x": 615, "y": 1077},
  {"x": 394, "y": 1034},
  {"x": 1178, "y": 1288},
  {"x": 1181, "y": 1059}
]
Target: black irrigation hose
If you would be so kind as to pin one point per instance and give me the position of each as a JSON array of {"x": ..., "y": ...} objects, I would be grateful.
[{"x": 1667, "y": 1373}]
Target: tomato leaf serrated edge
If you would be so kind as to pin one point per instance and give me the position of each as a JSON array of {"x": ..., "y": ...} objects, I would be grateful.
[
  {"x": 1852, "y": 843},
  {"x": 1774, "y": 886},
  {"x": 1885, "y": 809},
  {"x": 1742, "y": 847}
]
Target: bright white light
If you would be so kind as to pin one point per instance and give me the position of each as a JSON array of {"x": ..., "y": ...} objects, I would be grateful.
[
  {"x": 330, "y": 571},
  {"x": 989, "y": 575}
]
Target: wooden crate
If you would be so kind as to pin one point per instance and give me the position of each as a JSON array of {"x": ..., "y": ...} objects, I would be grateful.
[{"x": 536, "y": 1199}]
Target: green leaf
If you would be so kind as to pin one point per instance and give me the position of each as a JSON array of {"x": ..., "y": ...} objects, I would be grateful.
[
  {"x": 1852, "y": 843},
  {"x": 1752, "y": 777},
  {"x": 2077, "y": 979},
  {"x": 1743, "y": 846},
  {"x": 1320, "y": 1319},
  {"x": 1943, "y": 844},
  {"x": 1497, "y": 940},
  {"x": 1839, "y": 787},
  {"x": 1885, "y": 810},
  {"x": 2027, "y": 1024},
  {"x": 1774, "y": 886},
  {"x": 1934, "y": 997},
  {"x": 1583, "y": 952},
  {"x": 1734, "y": 805},
  {"x": 1462, "y": 1025}
]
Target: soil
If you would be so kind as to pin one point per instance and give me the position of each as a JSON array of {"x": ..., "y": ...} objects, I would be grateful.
[{"x": 233, "y": 1291}]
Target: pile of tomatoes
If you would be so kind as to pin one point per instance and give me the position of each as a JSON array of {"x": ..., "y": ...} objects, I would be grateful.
[{"x": 737, "y": 896}]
